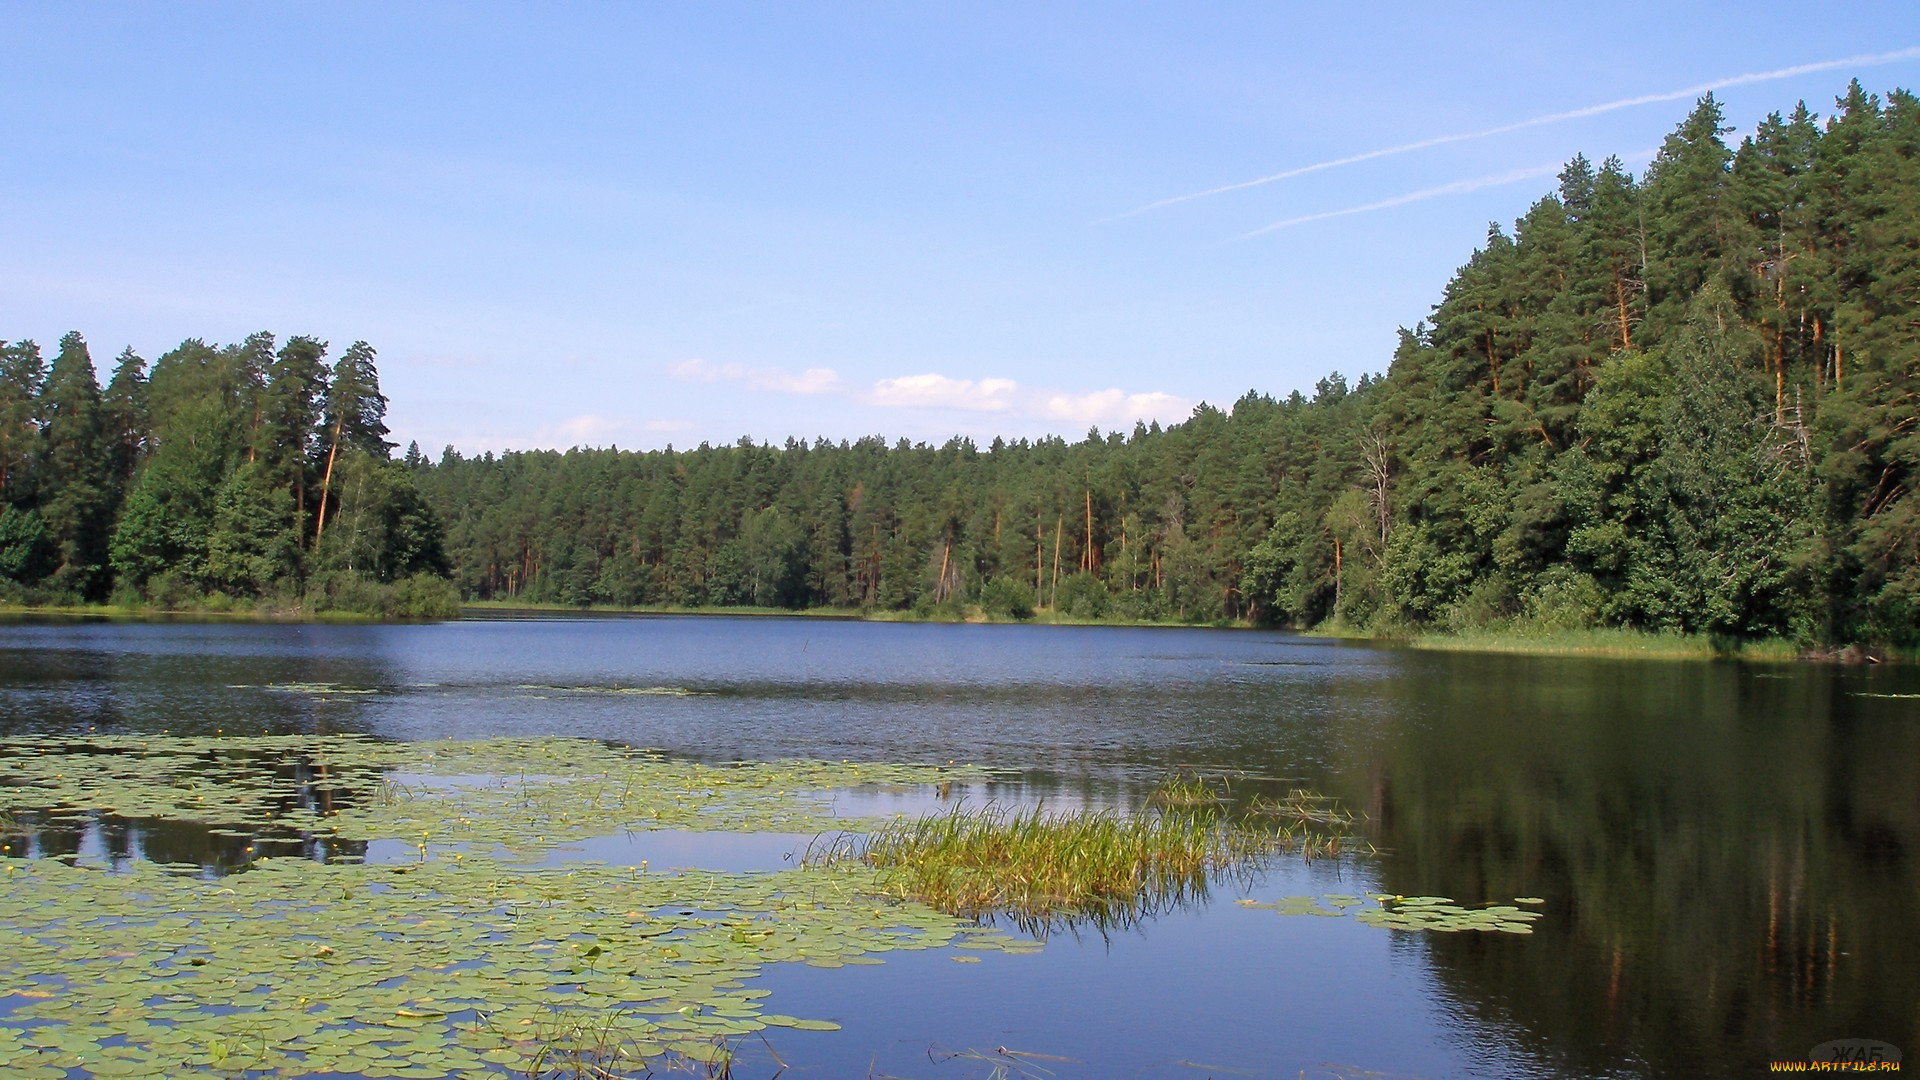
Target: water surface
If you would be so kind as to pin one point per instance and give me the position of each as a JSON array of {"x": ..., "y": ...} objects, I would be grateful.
[{"x": 1727, "y": 851}]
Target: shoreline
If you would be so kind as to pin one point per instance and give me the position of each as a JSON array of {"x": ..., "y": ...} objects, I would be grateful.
[{"x": 1614, "y": 642}]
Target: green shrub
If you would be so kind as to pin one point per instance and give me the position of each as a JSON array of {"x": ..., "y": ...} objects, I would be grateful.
[{"x": 1006, "y": 598}]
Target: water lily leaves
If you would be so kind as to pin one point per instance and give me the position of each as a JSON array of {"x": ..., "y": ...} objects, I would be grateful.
[
  {"x": 797, "y": 1024},
  {"x": 333, "y": 796},
  {"x": 469, "y": 959},
  {"x": 1437, "y": 914}
]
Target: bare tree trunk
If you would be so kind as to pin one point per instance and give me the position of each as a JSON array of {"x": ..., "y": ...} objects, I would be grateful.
[
  {"x": 1039, "y": 556},
  {"x": 1374, "y": 450},
  {"x": 1089, "y": 552},
  {"x": 326, "y": 482},
  {"x": 1338, "y": 575},
  {"x": 1059, "y": 523}
]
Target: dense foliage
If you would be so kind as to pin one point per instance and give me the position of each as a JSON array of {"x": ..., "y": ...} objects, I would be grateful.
[
  {"x": 242, "y": 474},
  {"x": 1684, "y": 401}
]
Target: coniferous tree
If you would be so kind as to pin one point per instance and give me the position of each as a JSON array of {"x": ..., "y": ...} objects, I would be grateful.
[
  {"x": 76, "y": 463},
  {"x": 124, "y": 415},
  {"x": 353, "y": 418},
  {"x": 22, "y": 371},
  {"x": 296, "y": 384}
]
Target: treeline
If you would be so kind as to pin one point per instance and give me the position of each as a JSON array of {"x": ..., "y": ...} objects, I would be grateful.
[
  {"x": 1684, "y": 401},
  {"x": 244, "y": 474}
]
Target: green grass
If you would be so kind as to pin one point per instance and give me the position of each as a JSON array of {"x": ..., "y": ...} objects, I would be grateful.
[
  {"x": 1044, "y": 868},
  {"x": 970, "y": 614},
  {"x": 1185, "y": 791},
  {"x": 1609, "y": 641}
]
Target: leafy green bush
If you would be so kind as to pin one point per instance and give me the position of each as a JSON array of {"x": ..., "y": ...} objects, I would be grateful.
[
  {"x": 1082, "y": 596},
  {"x": 1006, "y": 598},
  {"x": 423, "y": 596},
  {"x": 1565, "y": 599}
]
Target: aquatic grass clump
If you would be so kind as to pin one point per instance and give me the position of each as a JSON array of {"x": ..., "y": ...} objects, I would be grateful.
[
  {"x": 1042, "y": 867},
  {"x": 1314, "y": 825},
  {"x": 1185, "y": 791}
]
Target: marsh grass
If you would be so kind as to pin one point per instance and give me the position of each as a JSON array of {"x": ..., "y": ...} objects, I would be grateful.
[
  {"x": 1046, "y": 870},
  {"x": 1186, "y": 791},
  {"x": 1606, "y": 642},
  {"x": 1305, "y": 808}
]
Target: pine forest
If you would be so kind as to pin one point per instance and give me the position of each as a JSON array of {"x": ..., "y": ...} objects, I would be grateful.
[{"x": 1677, "y": 402}]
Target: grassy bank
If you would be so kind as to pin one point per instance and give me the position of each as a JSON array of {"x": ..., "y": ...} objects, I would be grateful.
[
  {"x": 1620, "y": 642},
  {"x": 1519, "y": 639},
  {"x": 970, "y": 613},
  {"x": 331, "y": 597}
]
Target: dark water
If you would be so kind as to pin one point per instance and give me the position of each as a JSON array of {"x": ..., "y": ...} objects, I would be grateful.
[{"x": 1730, "y": 853}]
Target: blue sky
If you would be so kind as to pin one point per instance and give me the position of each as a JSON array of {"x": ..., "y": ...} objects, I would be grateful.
[{"x": 636, "y": 224}]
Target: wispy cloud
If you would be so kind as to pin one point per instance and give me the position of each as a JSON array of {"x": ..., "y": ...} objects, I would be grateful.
[
  {"x": 1866, "y": 60},
  {"x": 1111, "y": 406},
  {"x": 937, "y": 392},
  {"x": 1114, "y": 405},
  {"x": 586, "y": 429},
  {"x": 932, "y": 391},
  {"x": 773, "y": 380}
]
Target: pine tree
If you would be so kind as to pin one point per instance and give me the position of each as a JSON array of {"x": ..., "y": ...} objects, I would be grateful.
[
  {"x": 353, "y": 419},
  {"x": 1689, "y": 216},
  {"x": 296, "y": 383},
  {"x": 22, "y": 372},
  {"x": 124, "y": 416},
  {"x": 76, "y": 462}
]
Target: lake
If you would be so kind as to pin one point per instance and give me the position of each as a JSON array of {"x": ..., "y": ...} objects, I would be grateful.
[{"x": 1727, "y": 855}]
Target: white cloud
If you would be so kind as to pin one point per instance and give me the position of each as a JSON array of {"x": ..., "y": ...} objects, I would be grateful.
[
  {"x": 1111, "y": 407},
  {"x": 817, "y": 380},
  {"x": 932, "y": 391},
  {"x": 585, "y": 429},
  {"x": 814, "y": 380},
  {"x": 1114, "y": 406},
  {"x": 698, "y": 370}
]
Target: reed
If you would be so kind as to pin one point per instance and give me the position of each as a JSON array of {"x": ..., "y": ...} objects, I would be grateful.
[
  {"x": 1186, "y": 791},
  {"x": 1042, "y": 868}
]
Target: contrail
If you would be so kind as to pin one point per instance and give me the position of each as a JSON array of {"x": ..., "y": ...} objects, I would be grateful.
[
  {"x": 1458, "y": 187},
  {"x": 1867, "y": 60},
  {"x": 1455, "y": 188}
]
